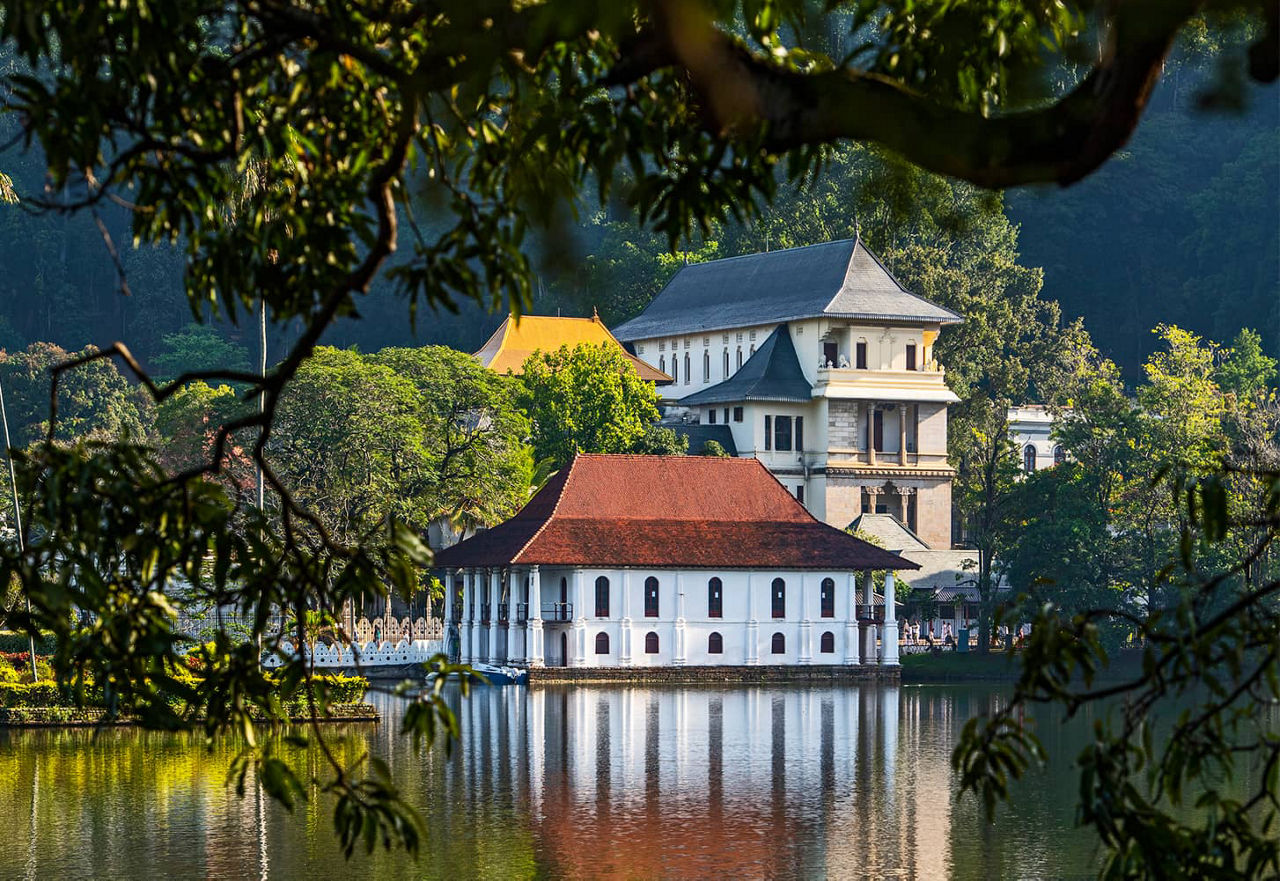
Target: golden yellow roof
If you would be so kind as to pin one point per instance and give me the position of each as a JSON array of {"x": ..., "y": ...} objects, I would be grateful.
[{"x": 517, "y": 339}]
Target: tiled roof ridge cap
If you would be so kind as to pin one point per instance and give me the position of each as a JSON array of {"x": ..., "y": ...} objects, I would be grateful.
[
  {"x": 554, "y": 510},
  {"x": 766, "y": 253}
]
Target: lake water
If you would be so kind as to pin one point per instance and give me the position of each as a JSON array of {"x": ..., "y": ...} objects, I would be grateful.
[{"x": 583, "y": 782}]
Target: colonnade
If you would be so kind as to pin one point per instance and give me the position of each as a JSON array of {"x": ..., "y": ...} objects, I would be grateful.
[{"x": 498, "y": 618}]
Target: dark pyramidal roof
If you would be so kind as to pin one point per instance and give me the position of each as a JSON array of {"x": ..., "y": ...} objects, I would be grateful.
[
  {"x": 836, "y": 280},
  {"x": 667, "y": 512},
  {"x": 772, "y": 374}
]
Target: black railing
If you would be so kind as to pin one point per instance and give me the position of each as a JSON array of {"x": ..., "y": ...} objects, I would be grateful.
[
  {"x": 522, "y": 613},
  {"x": 484, "y": 613},
  {"x": 502, "y": 613},
  {"x": 873, "y": 613},
  {"x": 557, "y": 611}
]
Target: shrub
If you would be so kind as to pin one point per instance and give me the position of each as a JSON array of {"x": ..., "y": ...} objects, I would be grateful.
[
  {"x": 27, "y": 694},
  {"x": 12, "y": 643}
]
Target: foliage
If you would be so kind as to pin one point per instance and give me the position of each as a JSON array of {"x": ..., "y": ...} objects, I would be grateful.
[
  {"x": 95, "y": 402},
  {"x": 198, "y": 347},
  {"x": 588, "y": 399},
  {"x": 714, "y": 448},
  {"x": 28, "y": 694},
  {"x": 270, "y": 145},
  {"x": 187, "y": 425},
  {"x": 659, "y": 440}
]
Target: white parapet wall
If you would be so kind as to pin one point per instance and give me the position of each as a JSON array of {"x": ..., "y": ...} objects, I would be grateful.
[{"x": 371, "y": 654}]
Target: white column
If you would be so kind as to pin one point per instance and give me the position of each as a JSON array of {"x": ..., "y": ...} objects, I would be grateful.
[
  {"x": 753, "y": 626},
  {"x": 851, "y": 621},
  {"x": 578, "y": 643},
  {"x": 515, "y": 590},
  {"x": 535, "y": 620},
  {"x": 624, "y": 635},
  {"x": 889, "y": 656},
  {"x": 806, "y": 624},
  {"x": 495, "y": 592},
  {"x": 448, "y": 608},
  {"x": 469, "y": 614},
  {"x": 678, "y": 658},
  {"x": 868, "y": 630}
]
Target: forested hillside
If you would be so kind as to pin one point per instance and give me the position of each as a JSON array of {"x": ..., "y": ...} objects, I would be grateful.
[{"x": 1182, "y": 228}]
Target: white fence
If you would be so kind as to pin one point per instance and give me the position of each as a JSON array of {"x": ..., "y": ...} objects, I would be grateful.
[{"x": 371, "y": 654}]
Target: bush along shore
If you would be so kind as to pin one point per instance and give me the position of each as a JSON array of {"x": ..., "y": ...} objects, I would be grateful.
[{"x": 46, "y": 702}]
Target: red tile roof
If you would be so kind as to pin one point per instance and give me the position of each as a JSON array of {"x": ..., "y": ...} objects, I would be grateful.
[{"x": 667, "y": 512}]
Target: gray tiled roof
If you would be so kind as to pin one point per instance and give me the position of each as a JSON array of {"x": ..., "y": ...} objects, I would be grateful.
[
  {"x": 772, "y": 374},
  {"x": 699, "y": 433},
  {"x": 836, "y": 279}
]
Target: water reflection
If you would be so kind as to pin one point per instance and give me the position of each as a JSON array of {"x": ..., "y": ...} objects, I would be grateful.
[{"x": 578, "y": 782}]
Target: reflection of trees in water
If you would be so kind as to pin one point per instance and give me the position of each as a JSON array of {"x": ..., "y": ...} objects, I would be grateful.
[{"x": 588, "y": 781}]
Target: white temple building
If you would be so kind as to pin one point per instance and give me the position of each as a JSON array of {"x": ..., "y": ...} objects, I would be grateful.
[
  {"x": 818, "y": 363},
  {"x": 634, "y": 561}
]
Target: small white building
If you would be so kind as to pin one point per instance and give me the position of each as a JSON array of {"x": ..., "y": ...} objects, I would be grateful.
[
  {"x": 631, "y": 561},
  {"x": 1031, "y": 430}
]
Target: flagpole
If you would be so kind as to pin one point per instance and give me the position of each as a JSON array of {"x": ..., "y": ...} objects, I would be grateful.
[{"x": 17, "y": 522}]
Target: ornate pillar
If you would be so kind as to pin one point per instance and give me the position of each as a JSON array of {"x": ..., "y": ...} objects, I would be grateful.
[
  {"x": 868, "y": 630},
  {"x": 871, "y": 432},
  {"x": 514, "y": 592},
  {"x": 495, "y": 594},
  {"x": 624, "y": 635},
  {"x": 469, "y": 612},
  {"x": 579, "y": 640},
  {"x": 806, "y": 625},
  {"x": 448, "y": 611},
  {"x": 889, "y": 654},
  {"x": 902, "y": 441},
  {"x": 678, "y": 658},
  {"x": 753, "y": 626},
  {"x": 851, "y": 621},
  {"x": 534, "y": 637}
]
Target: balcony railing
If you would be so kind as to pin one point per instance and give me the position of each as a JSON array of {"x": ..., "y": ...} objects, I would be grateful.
[
  {"x": 870, "y": 613},
  {"x": 502, "y": 613},
  {"x": 557, "y": 611},
  {"x": 484, "y": 613},
  {"x": 522, "y": 613}
]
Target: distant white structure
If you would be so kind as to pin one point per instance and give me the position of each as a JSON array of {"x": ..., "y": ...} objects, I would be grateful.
[{"x": 1031, "y": 430}]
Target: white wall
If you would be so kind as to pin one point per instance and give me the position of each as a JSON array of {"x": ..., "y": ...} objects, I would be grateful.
[{"x": 738, "y": 589}]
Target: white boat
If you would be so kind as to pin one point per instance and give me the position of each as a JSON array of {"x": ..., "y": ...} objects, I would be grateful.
[{"x": 501, "y": 675}]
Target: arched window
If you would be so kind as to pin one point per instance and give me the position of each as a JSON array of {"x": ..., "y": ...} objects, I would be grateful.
[
  {"x": 779, "y": 594},
  {"x": 602, "y": 597},
  {"x": 1029, "y": 458},
  {"x": 753, "y": 350},
  {"x": 651, "y": 643},
  {"x": 726, "y": 363},
  {"x": 1059, "y": 454},
  {"x": 706, "y": 366},
  {"x": 688, "y": 374},
  {"x": 602, "y": 643},
  {"x": 651, "y": 598},
  {"x": 827, "y": 598},
  {"x": 779, "y": 644},
  {"x": 827, "y": 644},
  {"x": 675, "y": 368},
  {"x": 715, "y": 599},
  {"x": 662, "y": 363},
  {"x": 715, "y": 644},
  {"x": 739, "y": 357}
]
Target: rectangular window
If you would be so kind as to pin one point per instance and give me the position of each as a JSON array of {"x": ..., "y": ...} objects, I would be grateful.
[
  {"x": 800, "y": 434},
  {"x": 828, "y": 598},
  {"x": 711, "y": 416},
  {"x": 800, "y": 494},
  {"x": 737, "y": 414},
  {"x": 726, "y": 415},
  {"x": 911, "y": 356},
  {"x": 860, "y": 354},
  {"x": 781, "y": 433},
  {"x": 768, "y": 432}
]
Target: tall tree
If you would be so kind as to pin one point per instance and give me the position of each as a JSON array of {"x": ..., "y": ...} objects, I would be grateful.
[{"x": 588, "y": 399}]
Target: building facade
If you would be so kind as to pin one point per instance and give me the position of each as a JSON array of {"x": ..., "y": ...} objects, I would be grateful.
[
  {"x": 631, "y": 561},
  {"x": 822, "y": 367},
  {"x": 1031, "y": 430}
]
